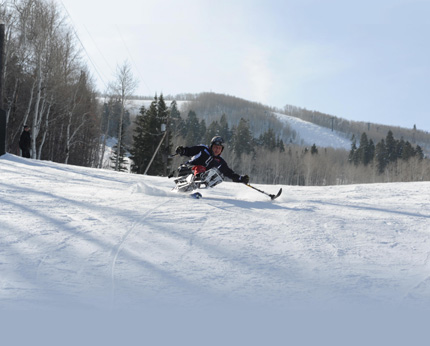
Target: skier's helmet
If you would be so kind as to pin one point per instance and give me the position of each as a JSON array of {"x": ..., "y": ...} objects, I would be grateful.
[{"x": 218, "y": 141}]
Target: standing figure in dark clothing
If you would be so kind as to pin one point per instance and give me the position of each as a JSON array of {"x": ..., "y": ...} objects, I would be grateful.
[{"x": 25, "y": 142}]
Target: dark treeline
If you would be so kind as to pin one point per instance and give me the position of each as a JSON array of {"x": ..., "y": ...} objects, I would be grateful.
[
  {"x": 390, "y": 159},
  {"x": 384, "y": 152}
]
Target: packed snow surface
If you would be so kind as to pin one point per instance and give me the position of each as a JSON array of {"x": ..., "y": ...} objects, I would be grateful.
[
  {"x": 81, "y": 238},
  {"x": 88, "y": 237}
]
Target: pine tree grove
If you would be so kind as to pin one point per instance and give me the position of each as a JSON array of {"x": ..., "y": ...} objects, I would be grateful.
[{"x": 149, "y": 136}]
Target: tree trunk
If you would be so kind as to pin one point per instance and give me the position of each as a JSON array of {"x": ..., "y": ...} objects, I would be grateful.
[{"x": 35, "y": 127}]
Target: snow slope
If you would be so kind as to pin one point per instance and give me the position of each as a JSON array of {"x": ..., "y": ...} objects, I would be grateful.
[
  {"x": 309, "y": 133},
  {"x": 81, "y": 238},
  {"x": 130, "y": 240}
]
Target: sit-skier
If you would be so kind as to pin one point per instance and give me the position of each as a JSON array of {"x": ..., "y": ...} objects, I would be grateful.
[{"x": 206, "y": 158}]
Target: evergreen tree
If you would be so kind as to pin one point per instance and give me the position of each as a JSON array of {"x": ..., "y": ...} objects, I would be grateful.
[
  {"x": 381, "y": 156},
  {"x": 243, "y": 140},
  {"x": 203, "y": 131},
  {"x": 371, "y": 150},
  {"x": 225, "y": 131},
  {"x": 314, "y": 149},
  {"x": 138, "y": 150},
  {"x": 399, "y": 148},
  {"x": 362, "y": 156},
  {"x": 353, "y": 157},
  {"x": 407, "y": 151},
  {"x": 365, "y": 151},
  {"x": 281, "y": 145},
  {"x": 193, "y": 128},
  {"x": 419, "y": 152},
  {"x": 212, "y": 131},
  {"x": 120, "y": 154},
  {"x": 147, "y": 138},
  {"x": 268, "y": 140},
  {"x": 391, "y": 147},
  {"x": 177, "y": 125}
]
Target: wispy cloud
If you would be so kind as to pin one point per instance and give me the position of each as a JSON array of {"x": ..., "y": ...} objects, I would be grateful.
[{"x": 259, "y": 74}]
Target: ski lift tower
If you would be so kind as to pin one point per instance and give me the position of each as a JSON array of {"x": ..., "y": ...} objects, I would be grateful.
[{"x": 164, "y": 131}]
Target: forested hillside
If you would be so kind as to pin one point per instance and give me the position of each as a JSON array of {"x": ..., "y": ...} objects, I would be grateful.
[
  {"x": 209, "y": 106},
  {"x": 263, "y": 154},
  {"x": 355, "y": 128}
]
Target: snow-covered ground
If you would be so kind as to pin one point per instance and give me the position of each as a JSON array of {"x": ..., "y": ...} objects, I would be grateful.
[
  {"x": 309, "y": 133},
  {"x": 81, "y": 239}
]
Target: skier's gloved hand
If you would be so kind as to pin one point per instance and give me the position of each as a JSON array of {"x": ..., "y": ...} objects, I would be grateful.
[
  {"x": 180, "y": 150},
  {"x": 244, "y": 179}
]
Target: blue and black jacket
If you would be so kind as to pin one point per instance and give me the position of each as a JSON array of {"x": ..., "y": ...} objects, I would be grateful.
[{"x": 202, "y": 155}]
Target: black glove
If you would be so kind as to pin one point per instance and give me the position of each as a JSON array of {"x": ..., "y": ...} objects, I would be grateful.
[
  {"x": 180, "y": 150},
  {"x": 244, "y": 179}
]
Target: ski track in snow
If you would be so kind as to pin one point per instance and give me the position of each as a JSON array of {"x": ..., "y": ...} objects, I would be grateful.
[{"x": 117, "y": 248}]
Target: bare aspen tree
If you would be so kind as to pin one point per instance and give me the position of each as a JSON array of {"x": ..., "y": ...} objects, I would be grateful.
[
  {"x": 9, "y": 18},
  {"x": 71, "y": 116},
  {"x": 43, "y": 84},
  {"x": 107, "y": 109},
  {"x": 43, "y": 29},
  {"x": 123, "y": 87}
]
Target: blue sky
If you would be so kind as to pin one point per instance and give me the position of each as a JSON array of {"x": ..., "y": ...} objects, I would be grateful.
[{"x": 359, "y": 60}]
